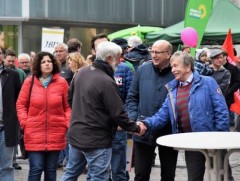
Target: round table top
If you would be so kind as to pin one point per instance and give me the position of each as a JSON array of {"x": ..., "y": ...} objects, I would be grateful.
[{"x": 202, "y": 140}]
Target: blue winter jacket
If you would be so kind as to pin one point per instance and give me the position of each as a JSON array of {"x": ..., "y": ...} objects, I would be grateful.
[
  {"x": 146, "y": 95},
  {"x": 123, "y": 77},
  {"x": 207, "y": 107}
]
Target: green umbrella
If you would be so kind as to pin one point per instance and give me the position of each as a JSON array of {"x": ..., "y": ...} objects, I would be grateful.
[{"x": 140, "y": 31}]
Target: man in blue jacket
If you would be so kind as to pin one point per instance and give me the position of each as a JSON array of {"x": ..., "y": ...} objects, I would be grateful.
[
  {"x": 194, "y": 104},
  {"x": 145, "y": 97}
]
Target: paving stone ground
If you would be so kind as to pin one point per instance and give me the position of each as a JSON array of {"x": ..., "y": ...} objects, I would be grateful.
[{"x": 181, "y": 172}]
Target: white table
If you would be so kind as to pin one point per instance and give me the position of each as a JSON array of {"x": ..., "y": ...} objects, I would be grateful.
[{"x": 210, "y": 144}]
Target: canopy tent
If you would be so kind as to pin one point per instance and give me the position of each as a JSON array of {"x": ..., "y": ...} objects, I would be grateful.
[
  {"x": 224, "y": 15},
  {"x": 140, "y": 31}
]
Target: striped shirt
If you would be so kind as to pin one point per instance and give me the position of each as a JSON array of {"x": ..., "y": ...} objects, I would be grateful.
[{"x": 182, "y": 108}]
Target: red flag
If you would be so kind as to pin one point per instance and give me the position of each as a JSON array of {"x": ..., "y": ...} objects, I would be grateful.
[{"x": 228, "y": 45}]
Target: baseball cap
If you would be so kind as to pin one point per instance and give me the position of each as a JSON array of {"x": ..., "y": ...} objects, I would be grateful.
[
  {"x": 215, "y": 52},
  {"x": 121, "y": 42}
]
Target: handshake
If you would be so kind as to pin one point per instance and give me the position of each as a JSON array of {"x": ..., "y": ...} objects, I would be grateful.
[{"x": 142, "y": 127}]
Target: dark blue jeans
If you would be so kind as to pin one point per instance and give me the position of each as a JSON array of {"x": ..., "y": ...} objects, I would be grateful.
[
  {"x": 40, "y": 161},
  {"x": 118, "y": 162}
]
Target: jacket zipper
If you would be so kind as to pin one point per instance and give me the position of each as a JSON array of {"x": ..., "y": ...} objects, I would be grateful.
[{"x": 46, "y": 117}]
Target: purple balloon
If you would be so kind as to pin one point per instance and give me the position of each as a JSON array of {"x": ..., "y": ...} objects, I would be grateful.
[{"x": 189, "y": 36}]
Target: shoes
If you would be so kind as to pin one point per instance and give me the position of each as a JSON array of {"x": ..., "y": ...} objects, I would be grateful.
[
  {"x": 85, "y": 170},
  {"x": 16, "y": 166},
  {"x": 59, "y": 166}
]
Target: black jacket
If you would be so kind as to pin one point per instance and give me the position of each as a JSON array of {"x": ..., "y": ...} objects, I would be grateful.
[
  {"x": 234, "y": 83},
  {"x": 97, "y": 110},
  {"x": 11, "y": 86}
]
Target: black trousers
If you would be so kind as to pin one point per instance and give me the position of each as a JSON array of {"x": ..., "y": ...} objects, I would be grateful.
[
  {"x": 195, "y": 162},
  {"x": 143, "y": 161}
]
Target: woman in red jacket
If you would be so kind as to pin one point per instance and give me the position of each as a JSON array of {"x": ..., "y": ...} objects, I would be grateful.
[{"x": 44, "y": 114}]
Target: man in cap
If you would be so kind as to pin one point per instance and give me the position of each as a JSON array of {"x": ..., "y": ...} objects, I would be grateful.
[{"x": 220, "y": 74}]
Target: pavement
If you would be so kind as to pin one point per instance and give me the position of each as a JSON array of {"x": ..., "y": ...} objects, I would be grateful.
[{"x": 181, "y": 172}]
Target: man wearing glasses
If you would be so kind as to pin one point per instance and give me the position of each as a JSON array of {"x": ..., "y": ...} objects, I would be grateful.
[
  {"x": 24, "y": 63},
  {"x": 146, "y": 96}
]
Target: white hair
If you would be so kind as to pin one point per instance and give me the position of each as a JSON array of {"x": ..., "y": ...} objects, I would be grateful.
[
  {"x": 64, "y": 45},
  {"x": 134, "y": 41},
  {"x": 105, "y": 49},
  {"x": 24, "y": 55}
]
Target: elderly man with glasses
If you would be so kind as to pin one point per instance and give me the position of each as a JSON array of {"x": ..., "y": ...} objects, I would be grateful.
[{"x": 146, "y": 95}]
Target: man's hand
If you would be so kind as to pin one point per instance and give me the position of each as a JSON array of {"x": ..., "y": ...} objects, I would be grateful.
[{"x": 143, "y": 128}]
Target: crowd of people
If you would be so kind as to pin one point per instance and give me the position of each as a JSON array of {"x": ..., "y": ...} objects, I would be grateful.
[{"x": 67, "y": 111}]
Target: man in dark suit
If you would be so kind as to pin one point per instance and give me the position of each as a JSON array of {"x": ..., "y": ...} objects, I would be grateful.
[{"x": 9, "y": 127}]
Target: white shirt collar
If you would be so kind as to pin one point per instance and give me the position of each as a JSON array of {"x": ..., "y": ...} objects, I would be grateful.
[{"x": 188, "y": 81}]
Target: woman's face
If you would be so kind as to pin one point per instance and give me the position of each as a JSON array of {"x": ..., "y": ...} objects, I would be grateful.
[
  {"x": 70, "y": 64},
  {"x": 46, "y": 66}
]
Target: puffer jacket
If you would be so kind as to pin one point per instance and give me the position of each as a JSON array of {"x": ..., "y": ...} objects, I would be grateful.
[
  {"x": 46, "y": 121},
  {"x": 123, "y": 77},
  {"x": 207, "y": 107}
]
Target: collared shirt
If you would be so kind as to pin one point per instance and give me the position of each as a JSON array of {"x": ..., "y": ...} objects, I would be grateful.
[{"x": 188, "y": 81}]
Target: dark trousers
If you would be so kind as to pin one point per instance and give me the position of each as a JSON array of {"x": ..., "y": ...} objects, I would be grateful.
[
  {"x": 195, "y": 162},
  {"x": 144, "y": 155}
]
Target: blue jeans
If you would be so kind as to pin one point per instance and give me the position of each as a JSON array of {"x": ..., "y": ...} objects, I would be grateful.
[
  {"x": 6, "y": 159},
  {"x": 75, "y": 166},
  {"x": 64, "y": 154},
  {"x": 98, "y": 164},
  {"x": 118, "y": 162},
  {"x": 40, "y": 161}
]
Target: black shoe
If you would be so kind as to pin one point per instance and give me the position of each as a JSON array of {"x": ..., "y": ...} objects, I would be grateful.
[
  {"x": 59, "y": 166},
  {"x": 16, "y": 166}
]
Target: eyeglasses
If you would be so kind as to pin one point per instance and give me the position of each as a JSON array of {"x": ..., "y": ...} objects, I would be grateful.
[
  {"x": 157, "y": 52},
  {"x": 24, "y": 62},
  {"x": 59, "y": 51}
]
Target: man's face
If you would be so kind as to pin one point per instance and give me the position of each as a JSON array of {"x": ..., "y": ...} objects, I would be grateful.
[
  {"x": 24, "y": 63},
  {"x": 187, "y": 50},
  {"x": 96, "y": 42},
  {"x": 9, "y": 61},
  {"x": 217, "y": 61},
  {"x": 60, "y": 53},
  {"x": 179, "y": 70},
  {"x": 114, "y": 61},
  {"x": 160, "y": 55}
]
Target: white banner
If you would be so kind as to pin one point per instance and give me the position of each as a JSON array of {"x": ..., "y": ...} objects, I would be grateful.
[{"x": 50, "y": 38}]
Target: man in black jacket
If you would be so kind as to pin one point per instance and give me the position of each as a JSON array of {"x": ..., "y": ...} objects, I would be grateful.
[
  {"x": 235, "y": 79},
  {"x": 97, "y": 110},
  {"x": 9, "y": 126}
]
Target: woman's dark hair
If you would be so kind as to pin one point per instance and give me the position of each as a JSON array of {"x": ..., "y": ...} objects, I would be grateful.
[{"x": 36, "y": 65}]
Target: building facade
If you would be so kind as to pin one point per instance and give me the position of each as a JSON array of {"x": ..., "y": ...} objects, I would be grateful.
[{"x": 23, "y": 20}]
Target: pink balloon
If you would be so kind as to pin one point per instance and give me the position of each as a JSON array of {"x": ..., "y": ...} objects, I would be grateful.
[{"x": 189, "y": 36}]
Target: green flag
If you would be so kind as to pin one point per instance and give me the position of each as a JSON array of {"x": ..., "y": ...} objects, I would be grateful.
[{"x": 196, "y": 16}]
